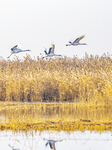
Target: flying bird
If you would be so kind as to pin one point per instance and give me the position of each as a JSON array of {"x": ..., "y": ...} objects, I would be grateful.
[
  {"x": 76, "y": 42},
  {"x": 50, "y": 53},
  {"x": 17, "y": 49},
  {"x": 52, "y": 143}
]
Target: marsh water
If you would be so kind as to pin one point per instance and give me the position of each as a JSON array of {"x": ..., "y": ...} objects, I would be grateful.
[
  {"x": 70, "y": 140},
  {"x": 14, "y": 135}
]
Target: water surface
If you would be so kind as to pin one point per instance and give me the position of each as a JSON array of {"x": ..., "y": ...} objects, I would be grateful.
[{"x": 70, "y": 141}]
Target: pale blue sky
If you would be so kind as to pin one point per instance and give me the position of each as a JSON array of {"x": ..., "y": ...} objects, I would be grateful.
[{"x": 37, "y": 23}]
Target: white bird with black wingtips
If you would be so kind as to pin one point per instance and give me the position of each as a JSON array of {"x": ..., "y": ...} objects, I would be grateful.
[
  {"x": 51, "y": 53},
  {"x": 76, "y": 42},
  {"x": 17, "y": 49}
]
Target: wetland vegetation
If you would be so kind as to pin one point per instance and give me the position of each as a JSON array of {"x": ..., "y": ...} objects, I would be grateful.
[
  {"x": 56, "y": 94},
  {"x": 57, "y": 80}
]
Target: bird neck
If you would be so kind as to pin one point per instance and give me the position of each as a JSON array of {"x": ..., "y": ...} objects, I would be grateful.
[
  {"x": 83, "y": 44},
  {"x": 58, "y": 55}
]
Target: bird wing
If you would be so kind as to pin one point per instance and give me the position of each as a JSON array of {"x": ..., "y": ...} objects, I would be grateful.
[
  {"x": 50, "y": 50},
  {"x": 52, "y": 145},
  {"x": 53, "y": 47},
  {"x": 46, "y": 144},
  {"x": 78, "y": 39},
  {"x": 14, "y": 47},
  {"x": 19, "y": 46}
]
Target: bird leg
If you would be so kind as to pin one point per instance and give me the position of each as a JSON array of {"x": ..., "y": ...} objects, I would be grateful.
[{"x": 9, "y": 55}]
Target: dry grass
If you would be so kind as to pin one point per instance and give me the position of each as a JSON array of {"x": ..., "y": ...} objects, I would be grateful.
[
  {"x": 81, "y": 90},
  {"x": 55, "y": 116},
  {"x": 87, "y": 80}
]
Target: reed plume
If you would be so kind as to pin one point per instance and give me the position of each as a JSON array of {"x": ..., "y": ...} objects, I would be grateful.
[{"x": 61, "y": 79}]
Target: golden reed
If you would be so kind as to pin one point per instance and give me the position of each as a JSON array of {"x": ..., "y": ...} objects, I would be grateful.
[{"x": 87, "y": 80}]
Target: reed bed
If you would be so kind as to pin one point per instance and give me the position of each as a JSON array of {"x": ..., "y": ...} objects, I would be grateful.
[
  {"x": 87, "y": 80},
  {"x": 55, "y": 116}
]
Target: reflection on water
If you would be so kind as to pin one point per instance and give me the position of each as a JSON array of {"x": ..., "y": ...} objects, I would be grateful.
[
  {"x": 51, "y": 143},
  {"x": 51, "y": 117},
  {"x": 56, "y": 140},
  {"x": 40, "y": 116}
]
